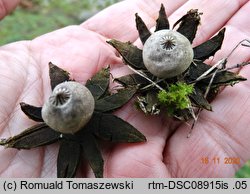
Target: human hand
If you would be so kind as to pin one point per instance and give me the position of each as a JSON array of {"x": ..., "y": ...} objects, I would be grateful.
[
  {"x": 82, "y": 51},
  {"x": 7, "y": 6}
]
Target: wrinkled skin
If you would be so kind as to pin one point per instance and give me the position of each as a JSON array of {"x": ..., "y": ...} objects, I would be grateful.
[{"x": 82, "y": 51}]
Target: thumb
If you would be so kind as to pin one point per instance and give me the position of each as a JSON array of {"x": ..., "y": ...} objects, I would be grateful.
[{"x": 6, "y": 6}]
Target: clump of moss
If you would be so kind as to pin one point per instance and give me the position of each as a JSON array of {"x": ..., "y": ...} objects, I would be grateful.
[{"x": 176, "y": 96}]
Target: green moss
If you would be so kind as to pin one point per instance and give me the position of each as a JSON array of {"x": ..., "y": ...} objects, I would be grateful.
[
  {"x": 176, "y": 97},
  {"x": 244, "y": 172}
]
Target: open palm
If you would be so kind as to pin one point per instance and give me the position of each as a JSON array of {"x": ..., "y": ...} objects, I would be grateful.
[{"x": 82, "y": 50}]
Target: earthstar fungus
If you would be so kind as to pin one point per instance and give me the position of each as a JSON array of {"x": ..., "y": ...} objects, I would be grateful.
[
  {"x": 64, "y": 119},
  {"x": 172, "y": 76}
]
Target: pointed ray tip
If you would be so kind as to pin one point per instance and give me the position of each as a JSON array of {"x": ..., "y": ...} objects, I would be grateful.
[
  {"x": 162, "y": 6},
  {"x": 141, "y": 138},
  {"x": 22, "y": 104},
  {"x": 51, "y": 65},
  {"x": 3, "y": 141},
  {"x": 114, "y": 43},
  {"x": 241, "y": 78},
  {"x": 137, "y": 17},
  {"x": 110, "y": 41},
  {"x": 144, "y": 139},
  {"x": 195, "y": 12},
  {"x": 223, "y": 30}
]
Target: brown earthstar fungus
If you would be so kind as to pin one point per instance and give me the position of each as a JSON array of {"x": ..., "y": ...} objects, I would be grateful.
[
  {"x": 77, "y": 116},
  {"x": 170, "y": 75}
]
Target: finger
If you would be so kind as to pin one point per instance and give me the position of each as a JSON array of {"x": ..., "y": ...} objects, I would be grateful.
[
  {"x": 118, "y": 21},
  {"x": 122, "y": 26},
  {"x": 14, "y": 70},
  {"x": 20, "y": 164},
  {"x": 238, "y": 30},
  {"x": 127, "y": 31},
  {"x": 222, "y": 133},
  {"x": 75, "y": 49},
  {"x": 49, "y": 161},
  {"x": 141, "y": 159},
  {"x": 215, "y": 15},
  {"x": 6, "y": 6},
  {"x": 146, "y": 158},
  {"x": 234, "y": 102}
]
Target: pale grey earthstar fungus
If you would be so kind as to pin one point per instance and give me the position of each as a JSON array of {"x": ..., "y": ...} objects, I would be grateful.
[
  {"x": 72, "y": 104},
  {"x": 167, "y": 53}
]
